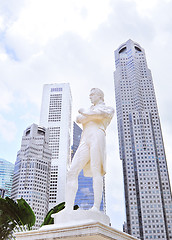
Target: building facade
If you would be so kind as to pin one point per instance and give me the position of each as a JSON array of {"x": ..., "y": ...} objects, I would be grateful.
[
  {"x": 2, "y": 193},
  {"x": 84, "y": 196},
  {"x": 32, "y": 171},
  {"x": 56, "y": 116},
  {"x": 6, "y": 177},
  {"x": 148, "y": 198}
]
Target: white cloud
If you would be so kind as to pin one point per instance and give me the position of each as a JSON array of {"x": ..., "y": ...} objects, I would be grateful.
[
  {"x": 30, "y": 117},
  {"x": 41, "y": 21},
  {"x": 1, "y": 24},
  {"x": 7, "y": 129},
  {"x": 6, "y": 97},
  {"x": 146, "y": 8}
]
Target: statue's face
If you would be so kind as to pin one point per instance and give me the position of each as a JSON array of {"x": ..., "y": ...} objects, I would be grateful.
[{"x": 94, "y": 98}]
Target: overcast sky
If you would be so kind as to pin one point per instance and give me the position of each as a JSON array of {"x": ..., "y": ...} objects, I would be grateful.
[{"x": 53, "y": 41}]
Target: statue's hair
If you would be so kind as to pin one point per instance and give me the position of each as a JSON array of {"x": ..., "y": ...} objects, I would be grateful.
[{"x": 99, "y": 93}]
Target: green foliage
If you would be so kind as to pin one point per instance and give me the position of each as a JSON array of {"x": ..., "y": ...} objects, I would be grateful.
[
  {"x": 48, "y": 219},
  {"x": 18, "y": 216},
  {"x": 26, "y": 214},
  {"x": 6, "y": 227},
  {"x": 15, "y": 216}
]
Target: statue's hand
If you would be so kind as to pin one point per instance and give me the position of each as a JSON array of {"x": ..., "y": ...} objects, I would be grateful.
[{"x": 81, "y": 110}]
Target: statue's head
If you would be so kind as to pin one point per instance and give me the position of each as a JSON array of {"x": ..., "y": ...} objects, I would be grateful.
[{"x": 96, "y": 95}]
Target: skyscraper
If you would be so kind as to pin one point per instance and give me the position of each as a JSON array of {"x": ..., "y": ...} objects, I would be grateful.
[
  {"x": 32, "y": 171},
  {"x": 2, "y": 193},
  {"x": 148, "y": 198},
  {"x": 56, "y": 116},
  {"x": 6, "y": 177},
  {"x": 84, "y": 196},
  {"x": 77, "y": 131}
]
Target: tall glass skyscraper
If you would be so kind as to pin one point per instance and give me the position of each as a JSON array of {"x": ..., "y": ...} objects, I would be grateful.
[
  {"x": 56, "y": 116},
  {"x": 6, "y": 177},
  {"x": 148, "y": 198},
  {"x": 32, "y": 171},
  {"x": 84, "y": 196}
]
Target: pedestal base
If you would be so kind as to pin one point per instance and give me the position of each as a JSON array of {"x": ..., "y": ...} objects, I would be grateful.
[
  {"x": 71, "y": 218},
  {"x": 90, "y": 231}
]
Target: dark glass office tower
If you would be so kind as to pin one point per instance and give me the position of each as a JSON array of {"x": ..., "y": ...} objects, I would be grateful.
[
  {"x": 6, "y": 177},
  {"x": 148, "y": 199}
]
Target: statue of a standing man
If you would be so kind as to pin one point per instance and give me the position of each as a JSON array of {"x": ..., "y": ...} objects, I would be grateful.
[{"x": 91, "y": 153}]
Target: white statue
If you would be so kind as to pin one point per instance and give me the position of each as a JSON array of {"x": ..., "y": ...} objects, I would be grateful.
[{"x": 91, "y": 153}]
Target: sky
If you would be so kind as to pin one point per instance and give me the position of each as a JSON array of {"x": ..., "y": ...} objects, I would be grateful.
[{"x": 53, "y": 41}]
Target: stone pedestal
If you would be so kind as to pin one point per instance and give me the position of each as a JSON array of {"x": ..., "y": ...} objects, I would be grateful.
[
  {"x": 76, "y": 225},
  {"x": 90, "y": 231},
  {"x": 75, "y": 217}
]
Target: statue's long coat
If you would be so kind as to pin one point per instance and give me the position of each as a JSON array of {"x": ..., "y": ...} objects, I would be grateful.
[{"x": 93, "y": 138}]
